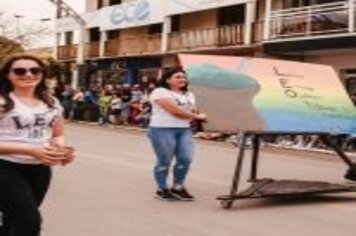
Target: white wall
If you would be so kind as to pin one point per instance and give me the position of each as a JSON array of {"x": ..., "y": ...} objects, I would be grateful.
[
  {"x": 134, "y": 13},
  {"x": 185, "y": 6}
]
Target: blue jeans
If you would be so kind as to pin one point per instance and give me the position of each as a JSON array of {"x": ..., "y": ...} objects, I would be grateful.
[{"x": 167, "y": 143}]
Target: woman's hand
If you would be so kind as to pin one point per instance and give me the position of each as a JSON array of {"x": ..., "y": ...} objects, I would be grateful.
[
  {"x": 201, "y": 116},
  {"x": 47, "y": 155},
  {"x": 69, "y": 152}
]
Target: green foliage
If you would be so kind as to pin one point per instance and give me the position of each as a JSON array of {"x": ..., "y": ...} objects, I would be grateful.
[
  {"x": 54, "y": 69},
  {"x": 8, "y": 47},
  {"x": 115, "y": 78}
]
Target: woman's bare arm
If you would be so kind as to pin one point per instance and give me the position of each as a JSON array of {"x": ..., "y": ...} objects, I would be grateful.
[
  {"x": 175, "y": 110},
  {"x": 58, "y": 133},
  {"x": 15, "y": 148}
]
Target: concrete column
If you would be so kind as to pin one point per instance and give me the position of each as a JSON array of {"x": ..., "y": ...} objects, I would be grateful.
[
  {"x": 250, "y": 15},
  {"x": 57, "y": 43},
  {"x": 351, "y": 16},
  {"x": 267, "y": 24},
  {"x": 77, "y": 75},
  {"x": 167, "y": 28},
  {"x": 103, "y": 38},
  {"x": 81, "y": 45}
]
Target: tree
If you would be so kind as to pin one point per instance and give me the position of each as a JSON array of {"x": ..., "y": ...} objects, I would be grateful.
[
  {"x": 26, "y": 33},
  {"x": 8, "y": 47},
  {"x": 54, "y": 69}
]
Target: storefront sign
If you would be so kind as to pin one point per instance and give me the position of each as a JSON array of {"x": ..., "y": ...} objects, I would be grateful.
[
  {"x": 131, "y": 14},
  {"x": 135, "y": 13},
  {"x": 269, "y": 95}
]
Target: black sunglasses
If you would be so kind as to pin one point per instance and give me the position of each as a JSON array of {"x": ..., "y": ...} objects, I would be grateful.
[{"x": 20, "y": 71}]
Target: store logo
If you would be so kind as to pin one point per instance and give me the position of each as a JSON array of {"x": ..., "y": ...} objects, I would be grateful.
[
  {"x": 132, "y": 12},
  {"x": 117, "y": 15}
]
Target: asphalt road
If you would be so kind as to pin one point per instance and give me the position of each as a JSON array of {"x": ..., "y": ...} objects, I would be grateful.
[{"x": 109, "y": 191}]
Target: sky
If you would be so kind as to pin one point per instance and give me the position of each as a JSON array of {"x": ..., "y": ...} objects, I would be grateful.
[{"x": 34, "y": 10}]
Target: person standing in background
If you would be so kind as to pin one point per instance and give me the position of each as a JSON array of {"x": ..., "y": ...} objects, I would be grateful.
[
  {"x": 173, "y": 108},
  {"x": 104, "y": 100}
]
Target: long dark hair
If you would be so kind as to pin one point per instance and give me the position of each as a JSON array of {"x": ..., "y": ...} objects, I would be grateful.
[
  {"x": 168, "y": 73},
  {"x": 41, "y": 91}
]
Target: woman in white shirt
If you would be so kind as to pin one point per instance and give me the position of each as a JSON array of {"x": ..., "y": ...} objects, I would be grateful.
[
  {"x": 173, "y": 108},
  {"x": 31, "y": 140}
]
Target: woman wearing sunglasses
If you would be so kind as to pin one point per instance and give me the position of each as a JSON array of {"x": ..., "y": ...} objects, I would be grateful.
[
  {"x": 31, "y": 140},
  {"x": 173, "y": 108}
]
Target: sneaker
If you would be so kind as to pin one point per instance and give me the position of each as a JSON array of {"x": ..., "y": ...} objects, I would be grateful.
[
  {"x": 165, "y": 195},
  {"x": 182, "y": 194}
]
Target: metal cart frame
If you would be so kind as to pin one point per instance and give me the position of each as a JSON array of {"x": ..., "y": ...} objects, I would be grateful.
[{"x": 284, "y": 187}]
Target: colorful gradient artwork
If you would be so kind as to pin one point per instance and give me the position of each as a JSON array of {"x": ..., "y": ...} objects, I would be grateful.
[{"x": 241, "y": 93}]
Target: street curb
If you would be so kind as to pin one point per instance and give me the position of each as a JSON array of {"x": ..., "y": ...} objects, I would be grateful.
[{"x": 291, "y": 148}]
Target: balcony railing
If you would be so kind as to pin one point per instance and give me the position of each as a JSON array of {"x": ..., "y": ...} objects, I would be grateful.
[
  {"x": 92, "y": 49},
  {"x": 153, "y": 43},
  {"x": 112, "y": 47},
  {"x": 257, "y": 31},
  {"x": 206, "y": 38},
  {"x": 131, "y": 46},
  {"x": 138, "y": 45},
  {"x": 213, "y": 38},
  {"x": 67, "y": 52},
  {"x": 321, "y": 19}
]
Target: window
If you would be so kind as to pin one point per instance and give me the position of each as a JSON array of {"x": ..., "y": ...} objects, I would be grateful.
[
  {"x": 328, "y": 1},
  {"x": 299, "y": 3},
  {"x": 113, "y": 34},
  {"x": 231, "y": 15},
  {"x": 94, "y": 35},
  {"x": 155, "y": 29},
  {"x": 100, "y": 4},
  {"x": 68, "y": 38},
  {"x": 114, "y": 2},
  {"x": 175, "y": 23}
]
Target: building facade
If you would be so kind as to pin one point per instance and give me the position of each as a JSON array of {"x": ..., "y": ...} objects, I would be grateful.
[{"x": 138, "y": 37}]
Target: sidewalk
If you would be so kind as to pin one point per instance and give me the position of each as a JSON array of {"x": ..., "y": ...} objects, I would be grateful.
[{"x": 269, "y": 147}]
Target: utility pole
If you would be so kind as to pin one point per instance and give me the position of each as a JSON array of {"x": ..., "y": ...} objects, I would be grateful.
[
  {"x": 18, "y": 17},
  {"x": 62, "y": 7}
]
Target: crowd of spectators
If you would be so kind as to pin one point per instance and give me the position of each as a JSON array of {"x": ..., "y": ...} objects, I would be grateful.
[{"x": 120, "y": 104}]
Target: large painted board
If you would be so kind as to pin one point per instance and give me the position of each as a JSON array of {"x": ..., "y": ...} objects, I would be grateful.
[{"x": 259, "y": 94}]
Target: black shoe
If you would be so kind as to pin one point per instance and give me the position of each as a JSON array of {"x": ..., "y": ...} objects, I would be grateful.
[
  {"x": 165, "y": 195},
  {"x": 182, "y": 194}
]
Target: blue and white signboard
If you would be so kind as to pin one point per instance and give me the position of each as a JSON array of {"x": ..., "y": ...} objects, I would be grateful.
[{"x": 132, "y": 14}]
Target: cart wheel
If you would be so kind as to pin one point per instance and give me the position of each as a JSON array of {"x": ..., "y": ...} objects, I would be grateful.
[{"x": 226, "y": 204}]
